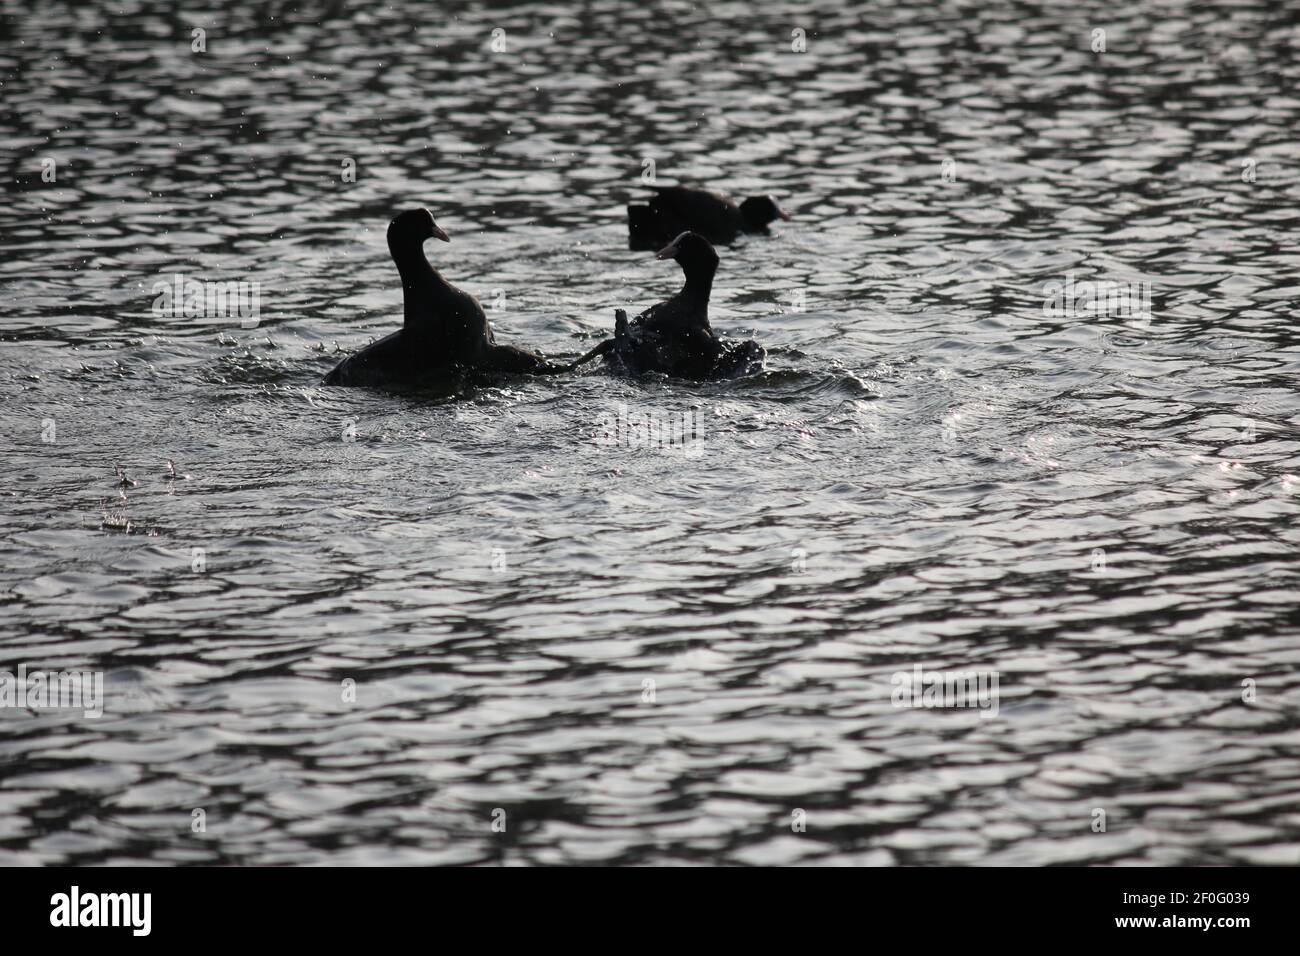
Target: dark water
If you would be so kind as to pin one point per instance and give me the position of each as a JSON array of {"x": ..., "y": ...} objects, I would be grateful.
[{"x": 934, "y": 469}]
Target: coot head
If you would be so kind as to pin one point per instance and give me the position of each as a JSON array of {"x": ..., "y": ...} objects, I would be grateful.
[
  {"x": 415, "y": 225},
  {"x": 760, "y": 210},
  {"x": 692, "y": 251}
]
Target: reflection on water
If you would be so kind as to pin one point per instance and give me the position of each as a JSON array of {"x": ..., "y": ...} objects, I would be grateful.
[{"x": 352, "y": 626}]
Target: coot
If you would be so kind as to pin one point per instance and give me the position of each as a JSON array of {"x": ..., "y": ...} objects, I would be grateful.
[
  {"x": 674, "y": 337},
  {"x": 676, "y": 209},
  {"x": 444, "y": 328}
]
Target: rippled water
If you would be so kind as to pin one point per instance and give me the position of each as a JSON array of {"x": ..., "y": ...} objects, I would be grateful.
[{"x": 644, "y": 656}]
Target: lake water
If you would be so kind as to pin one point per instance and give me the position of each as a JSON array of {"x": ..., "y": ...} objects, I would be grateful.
[{"x": 491, "y": 625}]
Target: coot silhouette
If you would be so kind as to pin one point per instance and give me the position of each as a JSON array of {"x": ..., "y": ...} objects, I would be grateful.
[
  {"x": 674, "y": 337},
  {"x": 444, "y": 328},
  {"x": 677, "y": 209}
]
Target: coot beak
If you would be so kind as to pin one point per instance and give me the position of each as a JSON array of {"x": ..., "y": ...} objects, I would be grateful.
[
  {"x": 667, "y": 252},
  {"x": 439, "y": 234},
  {"x": 783, "y": 214}
]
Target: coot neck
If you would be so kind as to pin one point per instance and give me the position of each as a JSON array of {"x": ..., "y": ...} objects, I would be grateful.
[
  {"x": 420, "y": 281},
  {"x": 699, "y": 281}
]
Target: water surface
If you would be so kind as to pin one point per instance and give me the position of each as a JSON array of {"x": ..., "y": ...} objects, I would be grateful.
[{"x": 933, "y": 470}]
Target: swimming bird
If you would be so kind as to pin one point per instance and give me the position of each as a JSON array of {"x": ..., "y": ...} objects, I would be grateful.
[
  {"x": 674, "y": 337},
  {"x": 443, "y": 327},
  {"x": 676, "y": 209}
]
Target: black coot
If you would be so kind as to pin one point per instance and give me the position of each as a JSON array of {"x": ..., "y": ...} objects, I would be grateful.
[
  {"x": 443, "y": 329},
  {"x": 677, "y": 209},
  {"x": 674, "y": 337}
]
